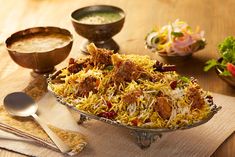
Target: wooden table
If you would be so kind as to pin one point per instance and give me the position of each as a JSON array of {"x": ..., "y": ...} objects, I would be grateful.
[{"x": 214, "y": 16}]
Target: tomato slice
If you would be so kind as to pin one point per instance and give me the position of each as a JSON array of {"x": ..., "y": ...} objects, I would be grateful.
[{"x": 231, "y": 68}]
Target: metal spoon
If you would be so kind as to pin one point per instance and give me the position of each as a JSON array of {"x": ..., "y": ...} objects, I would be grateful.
[{"x": 20, "y": 104}]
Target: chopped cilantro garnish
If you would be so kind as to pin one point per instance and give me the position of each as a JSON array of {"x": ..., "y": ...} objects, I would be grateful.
[
  {"x": 185, "y": 79},
  {"x": 177, "y": 34},
  {"x": 109, "y": 67}
]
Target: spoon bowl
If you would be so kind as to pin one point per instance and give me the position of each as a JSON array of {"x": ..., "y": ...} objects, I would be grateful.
[{"x": 22, "y": 105}]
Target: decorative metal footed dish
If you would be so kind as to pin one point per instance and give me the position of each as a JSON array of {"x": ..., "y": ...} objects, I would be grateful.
[
  {"x": 40, "y": 48},
  {"x": 98, "y": 24},
  {"x": 131, "y": 91}
]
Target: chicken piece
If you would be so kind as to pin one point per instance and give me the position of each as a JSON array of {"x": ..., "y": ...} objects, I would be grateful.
[
  {"x": 77, "y": 65},
  {"x": 195, "y": 98},
  {"x": 131, "y": 97},
  {"x": 86, "y": 63},
  {"x": 163, "y": 107},
  {"x": 126, "y": 70},
  {"x": 100, "y": 56},
  {"x": 116, "y": 60},
  {"x": 90, "y": 83},
  {"x": 74, "y": 68}
]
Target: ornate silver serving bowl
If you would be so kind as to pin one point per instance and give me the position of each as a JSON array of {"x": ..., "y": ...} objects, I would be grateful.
[{"x": 144, "y": 136}]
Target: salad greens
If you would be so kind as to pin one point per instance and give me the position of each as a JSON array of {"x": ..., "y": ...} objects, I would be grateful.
[
  {"x": 185, "y": 79},
  {"x": 175, "y": 39},
  {"x": 177, "y": 34},
  {"x": 227, "y": 53}
]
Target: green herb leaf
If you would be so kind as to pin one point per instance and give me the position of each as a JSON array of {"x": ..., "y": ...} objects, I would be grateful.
[
  {"x": 227, "y": 49},
  {"x": 109, "y": 67},
  {"x": 185, "y": 79},
  {"x": 229, "y": 56},
  {"x": 225, "y": 73},
  {"x": 227, "y": 44},
  {"x": 177, "y": 34},
  {"x": 210, "y": 64}
]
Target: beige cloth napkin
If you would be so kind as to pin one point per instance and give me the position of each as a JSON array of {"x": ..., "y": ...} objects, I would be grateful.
[
  {"x": 24, "y": 146},
  {"x": 34, "y": 138},
  {"x": 106, "y": 141}
]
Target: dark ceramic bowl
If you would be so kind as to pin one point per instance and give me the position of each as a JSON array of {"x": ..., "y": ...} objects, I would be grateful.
[
  {"x": 40, "y": 62},
  {"x": 100, "y": 34},
  {"x": 228, "y": 79}
]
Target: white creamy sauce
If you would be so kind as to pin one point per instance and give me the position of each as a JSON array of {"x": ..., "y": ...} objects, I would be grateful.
[{"x": 40, "y": 43}]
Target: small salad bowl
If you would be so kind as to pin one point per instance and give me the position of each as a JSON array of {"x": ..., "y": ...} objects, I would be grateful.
[
  {"x": 175, "y": 41},
  {"x": 228, "y": 79},
  {"x": 224, "y": 66}
]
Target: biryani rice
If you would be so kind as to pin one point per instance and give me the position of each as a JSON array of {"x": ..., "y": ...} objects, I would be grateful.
[{"x": 142, "y": 110}]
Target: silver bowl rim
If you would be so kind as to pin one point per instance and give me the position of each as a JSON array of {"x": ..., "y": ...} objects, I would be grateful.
[{"x": 62, "y": 100}]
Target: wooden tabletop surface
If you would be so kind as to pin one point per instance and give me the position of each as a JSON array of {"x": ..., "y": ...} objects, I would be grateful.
[{"x": 216, "y": 17}]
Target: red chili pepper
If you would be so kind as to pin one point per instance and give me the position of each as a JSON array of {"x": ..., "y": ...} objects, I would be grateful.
[
  {"x": 173, "y": 84},
  {"x": 135, "y": 122},
  {"x": 103, "y": 114},
  {"x": 97, "y": 83},
  {"x": 109, "y": 115},
  {"x": 109, "y": 104}
]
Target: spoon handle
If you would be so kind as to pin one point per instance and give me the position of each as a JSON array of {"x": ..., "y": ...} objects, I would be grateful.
[{"x": 58, "y": 142}]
